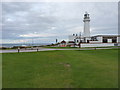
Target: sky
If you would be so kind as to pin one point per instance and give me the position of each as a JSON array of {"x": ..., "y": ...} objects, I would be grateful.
[{"x": 44, "y": 22}]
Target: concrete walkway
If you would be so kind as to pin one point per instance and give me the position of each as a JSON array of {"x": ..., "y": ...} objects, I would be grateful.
[{"x": 45, "y": 49}]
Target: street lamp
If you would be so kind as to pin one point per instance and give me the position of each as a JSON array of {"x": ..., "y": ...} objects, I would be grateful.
[{"x": 56, "y": 41}]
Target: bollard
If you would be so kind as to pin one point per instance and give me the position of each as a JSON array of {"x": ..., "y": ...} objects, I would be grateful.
[
  {"x": 31, "y": 48},
  {"x": 95, "y": 48},
  {"x": 37, "y": 49},
  {"x": 18, "y": 50}
]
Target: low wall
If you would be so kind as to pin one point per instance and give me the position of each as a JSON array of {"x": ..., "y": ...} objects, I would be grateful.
[
  {"x": 95, "y": 42},
  {"x": 97, "y": 45}
]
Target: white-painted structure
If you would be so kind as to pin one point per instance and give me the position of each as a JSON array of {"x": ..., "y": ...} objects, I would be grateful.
[
  {"x": 86, "y": 25},
  {"x": 118, "y": 39},
  {"x": 97, "y": 44},
  {"x": 88, "y": 41},
  {"x": 72, "y": 37}
]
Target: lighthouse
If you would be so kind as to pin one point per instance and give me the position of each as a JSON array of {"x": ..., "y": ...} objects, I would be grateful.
[
  {"x": 86, "y": 40},
  {"x": 86, "y": 25}
]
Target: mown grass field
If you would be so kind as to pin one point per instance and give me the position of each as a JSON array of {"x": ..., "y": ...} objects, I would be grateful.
[{"x": 61, "y": 69}]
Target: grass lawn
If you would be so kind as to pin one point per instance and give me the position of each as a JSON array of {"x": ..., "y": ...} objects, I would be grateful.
[{"x": 61, "y": 69}]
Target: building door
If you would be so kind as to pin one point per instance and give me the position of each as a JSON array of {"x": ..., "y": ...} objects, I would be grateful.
[
  {"x": 114, "y": 40},
  {"x": 105, "y": 40},
  {"x": 87, "y": 41}
]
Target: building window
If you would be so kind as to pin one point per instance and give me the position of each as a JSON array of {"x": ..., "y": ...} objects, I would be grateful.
[
  {"x": 80, "y": 41},
  {"x": 93, "y": 39},
  {"x": 105, "y": 40}
]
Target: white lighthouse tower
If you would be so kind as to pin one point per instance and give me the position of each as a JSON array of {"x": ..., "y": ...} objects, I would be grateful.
[
  {"x": 86, "y": 25},
  {"x": 86, "y": 21}
]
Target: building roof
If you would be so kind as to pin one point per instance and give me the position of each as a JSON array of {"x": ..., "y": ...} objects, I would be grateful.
[
  {"x": 71, "y": 42},
  {"x": 106, "y": 36},
  {"x": 63, "y": 41},
  {"x": 78, "y": 37}
]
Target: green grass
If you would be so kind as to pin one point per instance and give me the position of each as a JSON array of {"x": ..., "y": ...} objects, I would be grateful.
[{"x": 61, "y": 69}]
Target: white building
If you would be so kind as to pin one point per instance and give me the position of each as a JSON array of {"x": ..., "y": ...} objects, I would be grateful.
[{"x": 104, "y": 40}]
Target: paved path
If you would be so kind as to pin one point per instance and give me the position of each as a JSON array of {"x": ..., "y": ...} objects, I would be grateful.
[{"x": 45, "y": 49}]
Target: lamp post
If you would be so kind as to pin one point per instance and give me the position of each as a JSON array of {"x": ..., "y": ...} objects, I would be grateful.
[
  {"x": 32, "y": 44},
  {"x": 56, "y": 41}
]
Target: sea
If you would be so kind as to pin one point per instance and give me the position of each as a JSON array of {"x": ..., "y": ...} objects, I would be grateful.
[{"x": 13, "y": 44}]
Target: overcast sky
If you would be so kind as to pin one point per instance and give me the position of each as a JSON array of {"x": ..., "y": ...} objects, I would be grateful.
[{"x": 45, "y": 21}]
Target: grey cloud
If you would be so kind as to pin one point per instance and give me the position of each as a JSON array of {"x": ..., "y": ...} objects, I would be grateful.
[{"x": 26, "y": 18}]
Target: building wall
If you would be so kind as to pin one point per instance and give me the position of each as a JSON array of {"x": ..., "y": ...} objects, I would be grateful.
[
  {"x": 71, "y": 37},
  {"x": 100, "y": 39},
  {"x": 97, "y": 45},
  {"x": 118, "y": 39},
  {"x": 87, "y": 38},
  {"x": 62, "y": 45},
  {"x": 109, "y": 40}
]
